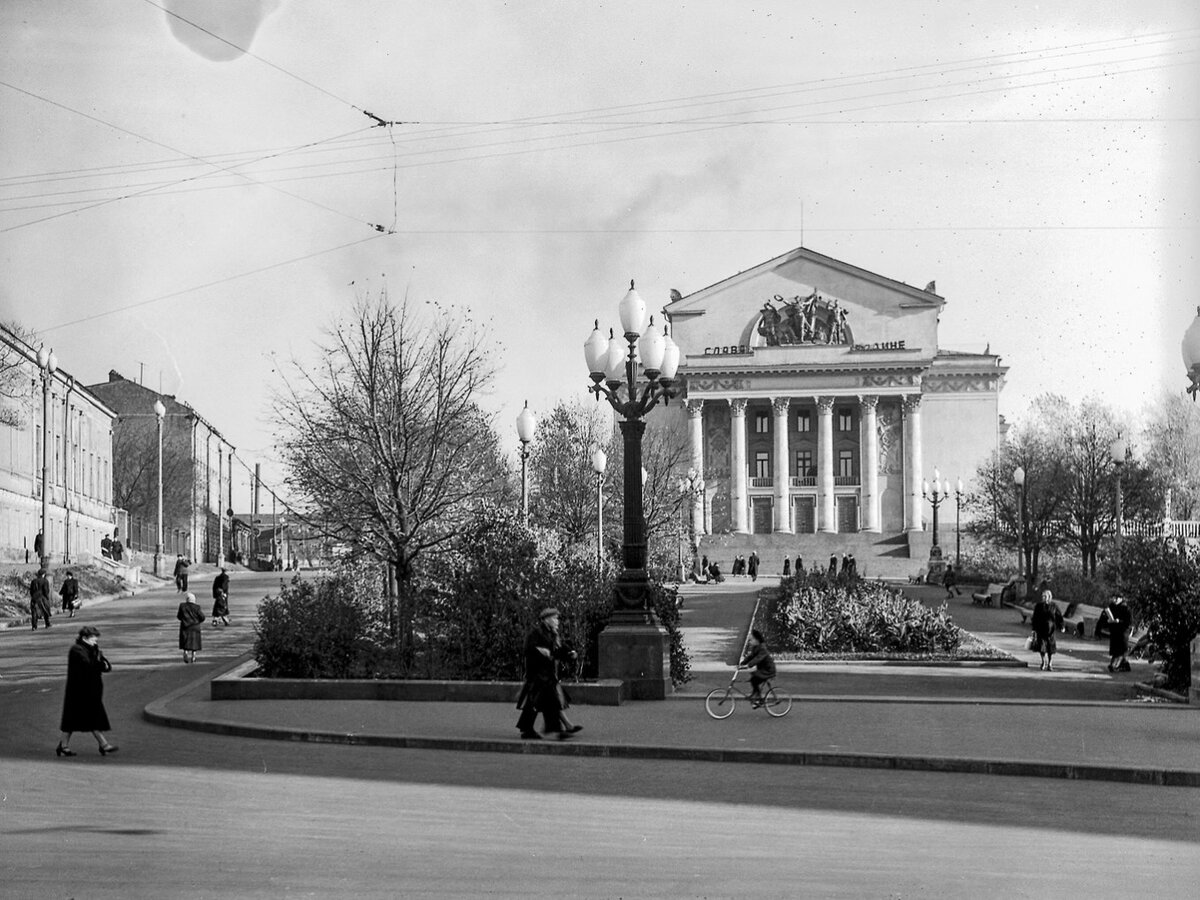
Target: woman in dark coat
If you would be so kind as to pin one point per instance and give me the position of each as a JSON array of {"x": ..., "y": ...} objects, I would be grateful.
[
  {"x": 1046, "y": 619},
  {"x": 1119, "y": 621},
  {"x": 83, "y": 703},
  {"x": 220, "y": 592},
  {"x": 190, "y": 615}
]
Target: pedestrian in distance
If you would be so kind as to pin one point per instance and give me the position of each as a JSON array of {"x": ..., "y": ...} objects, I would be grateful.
[
  {"x": 175, "y": 573},
  {"x": 714, "y": 573},
  {"x": 951, "y": 582},
  {"x": 758, "y": 656},
  {"x": 542, "y": 692},
  {"x": 799, "y": 565},
  {"x": 39, "y": 598},
  {"x": 852, "y": 567},
  {"x": 704, "y": 567},
  {"x": 1120, "y": 620},
  {"x": 117, "y": 549},
  {"x": 752, "y": 565},
  {"x": 1045, "y": 620},
  {"x": 39, "y": 545},
  {"x": 832, "y": 565},
  {"x": 787, "y": 566},
  {"x": 70, "y": 595},
  {"x": 220, "y": 592},
  {"x": 106, "y": 546},
  {"x": 190, "y": 617},
  {"x": 83, "y": 701}
]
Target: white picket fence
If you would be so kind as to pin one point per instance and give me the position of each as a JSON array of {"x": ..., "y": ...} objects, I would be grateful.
[{"x": 1137, "y": 528}]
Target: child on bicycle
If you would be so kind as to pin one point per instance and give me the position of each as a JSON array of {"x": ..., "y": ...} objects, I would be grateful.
[{"x": 758, "y": 656}]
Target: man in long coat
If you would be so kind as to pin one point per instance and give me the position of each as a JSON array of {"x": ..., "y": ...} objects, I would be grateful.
[
  {"x": 39, "y": 598},
  {"x": 541, "y": 691}
]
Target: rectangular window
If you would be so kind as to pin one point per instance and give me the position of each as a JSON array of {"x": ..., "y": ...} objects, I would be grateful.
[
  {"x": 845, "y": 420},
  {"x": 804, "y": 464},
  {"x": 846, "y": 463},
  {"x": 762, "y": 423},
  {"x": 804, "y": 420},
  {"x": 762, "y": 464}
]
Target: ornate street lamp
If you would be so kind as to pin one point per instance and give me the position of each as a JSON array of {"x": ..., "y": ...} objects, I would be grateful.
[
  {"x": 958, "y": 495},
  {"x": 526, "y": 426},
  {"x": 1120, "y": 453},
  {"x": 599, "y": 464},
  {"x": 937, "y": 494},
  {"x": 48, "y": 363},
  {"x": 633, "y": 372},
  {"x": 159, "y": 412},
  {"x": 691, "y": 486},
  {"x": 1019, "y": 481},
  {"x": 1191, "y": 355}
]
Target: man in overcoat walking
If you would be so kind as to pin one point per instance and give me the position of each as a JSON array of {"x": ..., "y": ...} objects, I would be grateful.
[
  {"x": 541, "y": 691},
  {"x": 39, "y": 598}
]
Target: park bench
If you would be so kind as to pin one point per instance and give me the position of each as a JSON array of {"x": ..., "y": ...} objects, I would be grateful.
[
  {"x": 989, "y": 597},
  {"x": 1072, "y": 618}
]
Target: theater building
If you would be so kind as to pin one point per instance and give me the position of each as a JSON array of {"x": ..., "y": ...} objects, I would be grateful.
[{"x": 818, "y": 400}]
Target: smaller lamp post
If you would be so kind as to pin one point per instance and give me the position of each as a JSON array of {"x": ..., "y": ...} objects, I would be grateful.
[
  {"x": 1120, "y": 453},
  {"x": 691, "y": 486},
  {"x": 526, "y": 425},
  {"x": 958, "y": 495},
  {"x": 936, "y": 494},
  {"x": 160, "y": 412},
  {"x": 1191, "y": 355},
  {"x": 599, "y": 464},
  {"x": 48, "y": 363},
  {"x": 1019, "y": 481}
]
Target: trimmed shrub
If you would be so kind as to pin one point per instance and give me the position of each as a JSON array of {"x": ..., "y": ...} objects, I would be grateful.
[{"x": 817, "y": 614}]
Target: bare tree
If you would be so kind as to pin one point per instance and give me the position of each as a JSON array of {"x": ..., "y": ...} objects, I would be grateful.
[
  {"x": 135, "y": 469},
  {"x": 1173, "y": 454},
  {"x": 16, "y": 386},
  {"x": 564, "y": 485},
  {"x": 383, "y": 439}
]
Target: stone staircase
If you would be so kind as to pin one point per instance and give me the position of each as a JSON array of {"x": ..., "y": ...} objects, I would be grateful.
[{"x": 877, "y": 555}]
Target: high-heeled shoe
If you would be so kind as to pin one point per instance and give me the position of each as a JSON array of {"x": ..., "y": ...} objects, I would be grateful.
[
  {"x": 60, "y": 750},
  {"x": 108, "y": 748}
]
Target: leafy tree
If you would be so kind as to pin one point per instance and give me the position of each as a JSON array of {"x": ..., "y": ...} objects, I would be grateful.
[
  {"x": 1027, "y": 517},
  {"x": 563, "y": 483},
  {"x": 1173, "y": 455},
  {"x": 384, "y": 441},
  {"x": 1162, "y": 580}
]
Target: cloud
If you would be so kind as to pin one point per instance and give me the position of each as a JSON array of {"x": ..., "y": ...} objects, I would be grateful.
[{"x": 236, "y": 21}]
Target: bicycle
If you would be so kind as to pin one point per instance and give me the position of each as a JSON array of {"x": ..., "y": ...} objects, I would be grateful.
[{"x": 720, "y": 703}]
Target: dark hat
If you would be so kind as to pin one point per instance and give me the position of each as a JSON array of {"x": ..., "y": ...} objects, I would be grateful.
[
  {"x": 89, "y": 631},
  {"x": 548, "y": 612}
]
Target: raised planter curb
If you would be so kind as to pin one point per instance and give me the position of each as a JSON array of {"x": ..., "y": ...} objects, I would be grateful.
[{"x": 235, "y": 685}]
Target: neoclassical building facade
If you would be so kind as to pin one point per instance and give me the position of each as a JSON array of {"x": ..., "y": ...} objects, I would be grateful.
[{"x": 818, "y": 400}]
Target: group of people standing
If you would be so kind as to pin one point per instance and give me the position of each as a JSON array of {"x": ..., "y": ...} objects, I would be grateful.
[{"x": 39, "y": 597}]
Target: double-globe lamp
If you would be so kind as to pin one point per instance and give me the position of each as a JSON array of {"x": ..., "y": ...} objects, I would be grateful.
[{"x": 526, "y": 426}]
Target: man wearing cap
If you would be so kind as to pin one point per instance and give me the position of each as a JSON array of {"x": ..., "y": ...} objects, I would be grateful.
[
  {"x": 541, "y": 691},
  {"x": 39, "y": 598}
]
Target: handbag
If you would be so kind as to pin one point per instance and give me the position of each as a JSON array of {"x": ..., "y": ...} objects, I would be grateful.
[{"x": 1031, "y": 641}]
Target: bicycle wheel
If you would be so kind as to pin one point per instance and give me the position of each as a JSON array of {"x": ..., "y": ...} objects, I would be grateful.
[
  {"x": 720, "y": 703},
  {"x": 777, "y": 703}
]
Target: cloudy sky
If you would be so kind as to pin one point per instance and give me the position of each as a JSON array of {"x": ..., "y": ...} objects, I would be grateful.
[{"x": 191, "y": 210}]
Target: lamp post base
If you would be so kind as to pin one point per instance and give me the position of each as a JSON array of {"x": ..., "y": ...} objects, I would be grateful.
[
  {"x": 638, "y": 655},
  {"x": 936, "y": 566}
]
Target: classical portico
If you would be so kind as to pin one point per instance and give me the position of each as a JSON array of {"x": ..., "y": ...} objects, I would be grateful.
[{"x": 811, "y": 388}]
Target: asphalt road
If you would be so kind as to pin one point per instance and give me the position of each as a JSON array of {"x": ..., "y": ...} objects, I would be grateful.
[{"x": 179, "y": 813}]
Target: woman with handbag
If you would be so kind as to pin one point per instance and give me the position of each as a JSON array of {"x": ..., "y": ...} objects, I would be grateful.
[
  {"x": 83, "y": 702},
  {"x": 1046, "y": 619},
  {"x": 190, "y": 615},
  {"x": 1120, "y": 619}
]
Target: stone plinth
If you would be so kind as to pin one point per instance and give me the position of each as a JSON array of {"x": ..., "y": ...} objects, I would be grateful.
[
  {"x": 639, "y": 655},
  {"x": 1194, "y": 690}
]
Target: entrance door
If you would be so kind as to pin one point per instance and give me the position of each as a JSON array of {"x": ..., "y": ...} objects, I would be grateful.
[
  {"x": 762, "y": 515},
  {"x": 804, "y": 514},
  {"x": 847, "y": 514}
]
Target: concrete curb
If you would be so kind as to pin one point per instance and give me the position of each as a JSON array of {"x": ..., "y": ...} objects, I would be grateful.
[{"x": 158, "y": 712}]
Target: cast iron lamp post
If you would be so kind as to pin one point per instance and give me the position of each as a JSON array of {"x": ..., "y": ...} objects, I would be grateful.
[
  {"x": 48, "y": 363},
  {"x": 159, "y": 412},
  {"x": 1191, "y": 355},
  {"x": 1019, "y": 481},
  {"x": 691, "y": 486},
  {"x": 958, "y": 494},
  {"x": 599, "y": 464},
  {"x": 1120, "y": 454},
  {"x": 526, "y": 425},
  {"x": 633, "y": 646},
  {"x": 937, "y": 494}
]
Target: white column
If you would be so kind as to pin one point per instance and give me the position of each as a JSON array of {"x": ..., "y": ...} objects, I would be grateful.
[
  {"x": 783, "y": 477},
  {"x": 869, "y": 463},
  {"x": 912, "y": 463},
  {"x": 737, "y": 446},
  {"x": 825, "y": 512},
  {"x": 695, "y": 411}
]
